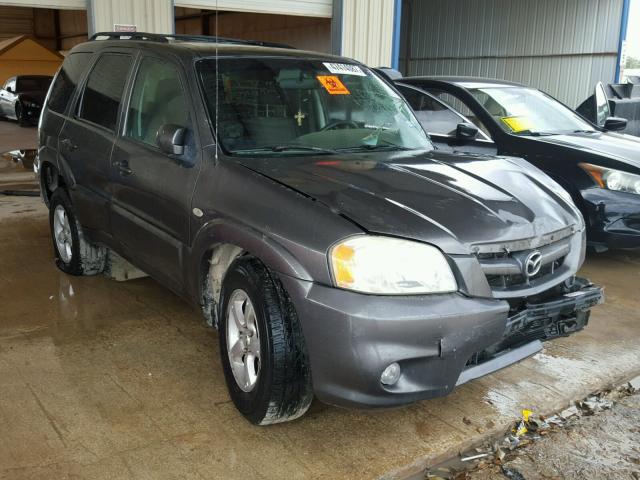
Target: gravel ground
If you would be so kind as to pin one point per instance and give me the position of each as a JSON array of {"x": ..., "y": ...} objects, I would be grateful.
[{"x": 602, "y": 446}]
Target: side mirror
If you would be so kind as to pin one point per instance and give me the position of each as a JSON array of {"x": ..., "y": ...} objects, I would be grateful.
[
  {"x": 170, "y": 139},
  {"x": 615, "y": 124},
  {"x": 466, "y": 131},
  {"x": 9, "y": 89}
]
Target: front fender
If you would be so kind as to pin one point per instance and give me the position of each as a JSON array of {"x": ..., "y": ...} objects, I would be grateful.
[{"x": 225, "y": 231}]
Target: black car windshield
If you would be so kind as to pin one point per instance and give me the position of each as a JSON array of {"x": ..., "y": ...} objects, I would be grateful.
[
  {"x": 33, "y": 84},
  {"x": 271, "y": 106},
  {"x": 522, "y": 111}
]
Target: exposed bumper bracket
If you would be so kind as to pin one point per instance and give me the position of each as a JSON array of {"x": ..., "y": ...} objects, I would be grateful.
[{"x": 500, "y": 361}]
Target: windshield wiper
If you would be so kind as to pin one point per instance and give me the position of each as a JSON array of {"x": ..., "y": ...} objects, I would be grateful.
[
  {"x": 534, "y": 134},
  {"x": 383, "y": 145},
  {"x": 312, "y": 148},
  {"x": 283, "y": 148},
  {"x": 585, "y": 131}
]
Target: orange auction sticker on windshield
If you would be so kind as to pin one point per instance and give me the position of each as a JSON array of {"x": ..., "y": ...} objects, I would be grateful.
[{"x": 333, "y": 85}]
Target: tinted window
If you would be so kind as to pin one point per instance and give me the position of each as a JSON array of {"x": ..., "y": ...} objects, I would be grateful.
[
  {"x": 103, "y": 91},
  {"x": 432, "y": 114},
  {"x": 67, "y": 80},
  {"x": 33, "y": 84},
  {"x": 157, "y": 99}
]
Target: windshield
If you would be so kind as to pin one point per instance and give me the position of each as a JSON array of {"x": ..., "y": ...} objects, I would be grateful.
[
  {"x": 270, "y": 105},
  {"x": 33, "y": 84},
  {"x": 523, "y": 111}
]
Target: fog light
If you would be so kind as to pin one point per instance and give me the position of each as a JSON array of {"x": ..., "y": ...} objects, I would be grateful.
[{"x": 391, "y": 374}]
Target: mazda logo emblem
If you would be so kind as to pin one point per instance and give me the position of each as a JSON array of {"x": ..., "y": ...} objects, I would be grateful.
[{"x": 533, "y": 263}]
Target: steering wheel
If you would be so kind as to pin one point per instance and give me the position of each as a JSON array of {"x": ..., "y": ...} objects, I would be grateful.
[{"x": 339, "y": 123}]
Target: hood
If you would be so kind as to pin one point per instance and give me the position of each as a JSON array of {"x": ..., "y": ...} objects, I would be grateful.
[
  {"x": 33, "y": 96},
  {"x": 453, "y": 201},
  {"x": 619, "y": 146}
]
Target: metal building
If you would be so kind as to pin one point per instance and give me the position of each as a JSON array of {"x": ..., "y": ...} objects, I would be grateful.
[
  {"x": 563, "y": 47},
  {"x": 363, "y": 29}
]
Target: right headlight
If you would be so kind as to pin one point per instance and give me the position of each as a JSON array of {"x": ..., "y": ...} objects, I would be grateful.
[
  {"x": 613, "y": 179},
  {"x": 390, "y": 266}
]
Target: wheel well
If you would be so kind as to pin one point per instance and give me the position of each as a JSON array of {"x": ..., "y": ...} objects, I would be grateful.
[
  {"x": 215, "y": 264},
  {"x": 50, "y": 179}
]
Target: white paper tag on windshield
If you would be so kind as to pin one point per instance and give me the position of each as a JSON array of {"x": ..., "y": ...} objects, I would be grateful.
[{"x": 344, "y": 69}]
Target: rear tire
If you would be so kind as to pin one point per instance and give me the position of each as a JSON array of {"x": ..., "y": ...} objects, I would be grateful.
[
  {"x": 20, "y": 116},
  {"x": 74, "y": 254},
  {"x": 266, "y": 342}
]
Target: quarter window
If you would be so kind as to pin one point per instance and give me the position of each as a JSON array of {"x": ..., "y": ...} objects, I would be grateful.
[
  {"x": 67, "y": 80},
  {"x": 157, "y": 99},
  {"x": 103, "y": 92}
]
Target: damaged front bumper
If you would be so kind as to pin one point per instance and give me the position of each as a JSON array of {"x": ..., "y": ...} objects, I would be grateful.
[
  {"x": 439, "y": 341},
  {"x": 565, "y": 311}
]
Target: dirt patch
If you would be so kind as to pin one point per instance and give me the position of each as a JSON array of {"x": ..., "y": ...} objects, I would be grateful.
[{"x": 602, "y": 443}]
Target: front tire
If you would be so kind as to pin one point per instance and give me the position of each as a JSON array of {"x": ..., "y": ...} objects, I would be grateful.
[
  {"x": 262, "y": 348},
  {"x": 74, "y": 254}
]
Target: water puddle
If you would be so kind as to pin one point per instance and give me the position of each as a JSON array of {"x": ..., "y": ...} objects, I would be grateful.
[{"x": 16, "y": 173}]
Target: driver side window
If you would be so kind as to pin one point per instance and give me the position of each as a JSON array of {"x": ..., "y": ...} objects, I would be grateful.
[
  {"x": 458, "y": 105},
  {"x": 157, "y": 99},
  {"x": 435, "y": 117}
]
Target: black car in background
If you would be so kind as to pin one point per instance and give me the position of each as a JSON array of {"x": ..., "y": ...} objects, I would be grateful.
[
  {"x": 21, "y": 98},
  {"x": 598, "y": 167}
]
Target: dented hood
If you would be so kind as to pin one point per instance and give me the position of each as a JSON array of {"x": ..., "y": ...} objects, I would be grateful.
[{"x": 453, "y": 201}]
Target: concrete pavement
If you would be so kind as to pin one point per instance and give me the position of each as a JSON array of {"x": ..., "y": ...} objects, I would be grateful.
[{"x": 100, "y": 379}]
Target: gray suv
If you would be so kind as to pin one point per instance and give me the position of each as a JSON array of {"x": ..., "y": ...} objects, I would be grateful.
[{"x": 295, "y": 197}]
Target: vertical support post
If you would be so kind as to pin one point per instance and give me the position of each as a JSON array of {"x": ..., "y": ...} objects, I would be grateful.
[
  {"x": 91, "y": 20},
  {"x": 56, "y": 29},
  {"x": 624, "y": 22},
  {"x": 397, "y": 27},
  {"x": 336, "y": 27}
]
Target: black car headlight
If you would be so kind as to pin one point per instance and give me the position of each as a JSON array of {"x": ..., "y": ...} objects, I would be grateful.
[{"x": 613, "y": 179}]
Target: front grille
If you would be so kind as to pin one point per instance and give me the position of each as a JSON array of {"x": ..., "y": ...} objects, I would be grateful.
[{"x": 506, "y": 270}]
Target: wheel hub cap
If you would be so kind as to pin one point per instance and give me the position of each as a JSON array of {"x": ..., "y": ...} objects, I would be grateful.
[
  {"x": 243, "y": 340},
  {"x": 62, "y": 233}
]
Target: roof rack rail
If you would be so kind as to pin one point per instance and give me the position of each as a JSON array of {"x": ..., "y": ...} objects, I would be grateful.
[{"x": 167, "y": 38}]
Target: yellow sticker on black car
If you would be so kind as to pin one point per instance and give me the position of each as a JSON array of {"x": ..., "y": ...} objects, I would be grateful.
[
  {"x": 333, "y": 85},
  {"x": 517, "y": 123}
]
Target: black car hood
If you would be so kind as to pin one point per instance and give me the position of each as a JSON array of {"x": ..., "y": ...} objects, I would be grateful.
[
  {"x": 450, "y": 200},
  {"x": 33, "y": 96},
  {"x": 622, "y": 147}
]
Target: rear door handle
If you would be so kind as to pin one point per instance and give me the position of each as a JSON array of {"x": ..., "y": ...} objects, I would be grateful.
[
  {"x": 68, "y": 144},
  {"x": 123, "y": 167}
]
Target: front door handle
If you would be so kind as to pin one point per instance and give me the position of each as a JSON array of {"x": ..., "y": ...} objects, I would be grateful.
[
  {"x": 123, "y": 168},
  {"x": 68, "y": 144}
]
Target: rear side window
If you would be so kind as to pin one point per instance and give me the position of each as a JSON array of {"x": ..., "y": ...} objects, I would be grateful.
[
  {"x": 157, "y": 99},
  {"x": 67, "y": 80},
  {"x": 103, "y": 91}
]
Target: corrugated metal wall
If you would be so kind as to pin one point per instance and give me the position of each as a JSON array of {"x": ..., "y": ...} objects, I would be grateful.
[
  {"x": 311, "y": 8},
  {"x": 367, "y": 31},
  {"x": 563, "y": 47},
  {"x": 154, "y": 16}
]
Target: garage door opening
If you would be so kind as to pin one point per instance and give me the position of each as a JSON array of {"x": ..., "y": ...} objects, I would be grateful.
[
  {"x": 57, "y": 29},
  {"x": 303, "y": 32}
]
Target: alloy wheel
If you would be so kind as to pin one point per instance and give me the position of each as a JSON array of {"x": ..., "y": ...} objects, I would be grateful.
[{"x": 243, "y": 340}]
